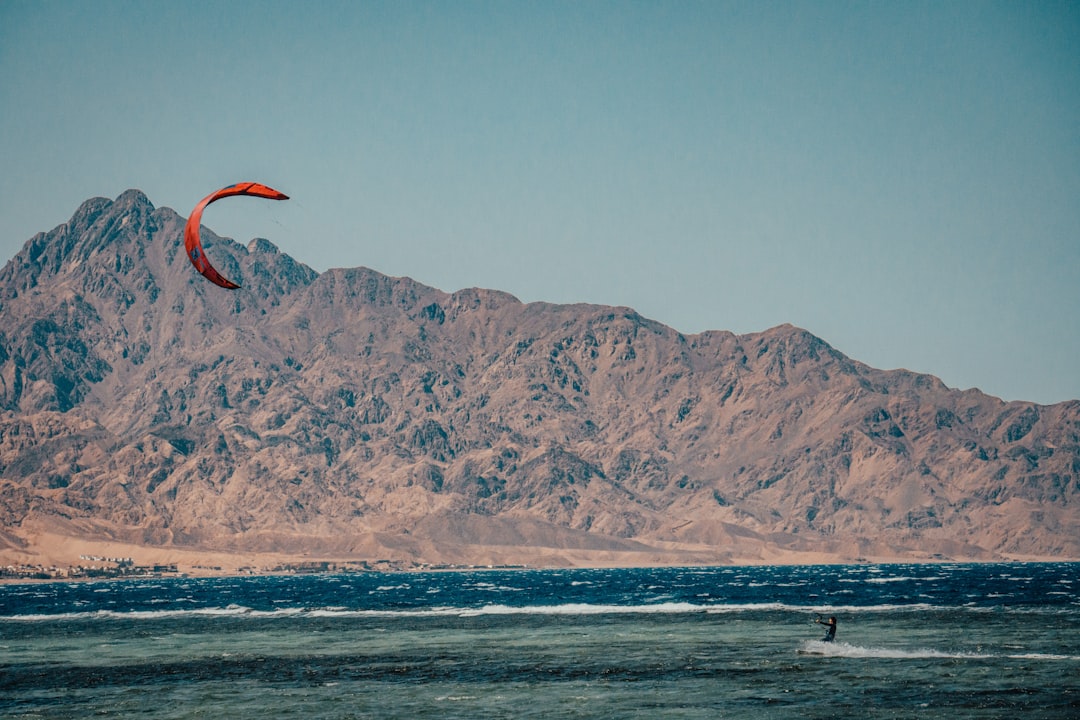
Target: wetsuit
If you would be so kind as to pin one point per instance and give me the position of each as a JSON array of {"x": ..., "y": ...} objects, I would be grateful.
[{"x": 830, "y": 631}]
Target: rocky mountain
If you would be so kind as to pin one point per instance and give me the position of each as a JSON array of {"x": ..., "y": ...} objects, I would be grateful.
[{"x": 351, "y": 415}]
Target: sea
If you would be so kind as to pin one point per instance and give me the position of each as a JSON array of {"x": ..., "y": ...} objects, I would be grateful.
[{"x": 913, "y": 641}]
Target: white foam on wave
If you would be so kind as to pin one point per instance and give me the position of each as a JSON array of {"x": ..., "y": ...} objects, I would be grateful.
[
  {"x": 664, "y": 607},
  {"x": 235, "y": 611},
  {"x": 1044, "y": 656},
  {"x": 820, "y": 609},
  {"x": 841, "y": 649},
  {"x": 845, "y": 650},
  {"x": 229, "y": 611},
  {"x": 343, "y": 612},
  {"x": 584, "y": 609}
]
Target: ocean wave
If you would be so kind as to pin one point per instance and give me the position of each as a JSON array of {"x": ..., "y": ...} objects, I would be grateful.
[
  {"x": 228, "y": 611},
  {"x": 1044, "y": 656},
  {"x": 672, "y": 607},
  {"x": 655, "y": 606},
  {"x": 587, "y": 609},
  {"x": 822, "y": 609}
]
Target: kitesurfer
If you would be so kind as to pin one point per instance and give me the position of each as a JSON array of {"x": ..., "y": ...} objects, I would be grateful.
[{"x": 830, "y": 628}]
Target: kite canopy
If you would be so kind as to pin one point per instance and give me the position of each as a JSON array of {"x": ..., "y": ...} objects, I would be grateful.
[{"x": 191, "y": 231}]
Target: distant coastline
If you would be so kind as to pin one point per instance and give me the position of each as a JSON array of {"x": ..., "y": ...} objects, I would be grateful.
[{"x": 128, "y": 570}]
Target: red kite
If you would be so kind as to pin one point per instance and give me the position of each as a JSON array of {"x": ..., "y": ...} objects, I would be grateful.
[{"x": 191, "y": 231}]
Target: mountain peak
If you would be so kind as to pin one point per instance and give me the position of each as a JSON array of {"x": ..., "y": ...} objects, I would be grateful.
[
  {"x": 262, "y": 245},
  {"x": 133, "y": 198}
]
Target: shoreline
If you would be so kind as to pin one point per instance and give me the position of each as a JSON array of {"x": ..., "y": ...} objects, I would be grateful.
[{"x": 360, "y": 567}]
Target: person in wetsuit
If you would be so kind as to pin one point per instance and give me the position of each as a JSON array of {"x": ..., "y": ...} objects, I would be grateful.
[{"x": 830, "y": 628}]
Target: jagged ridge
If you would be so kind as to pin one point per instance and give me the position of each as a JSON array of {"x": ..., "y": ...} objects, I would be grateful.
[{"x": 353, "y": 413}]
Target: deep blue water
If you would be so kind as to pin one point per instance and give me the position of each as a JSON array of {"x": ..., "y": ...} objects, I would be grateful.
[{"x": 985, "y": 641}]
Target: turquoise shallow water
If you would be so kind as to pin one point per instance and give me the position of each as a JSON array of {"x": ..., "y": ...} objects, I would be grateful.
[{"x": 958, "y": 641}]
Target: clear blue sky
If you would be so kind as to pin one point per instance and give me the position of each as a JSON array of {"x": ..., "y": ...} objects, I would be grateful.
[{"x": 900, "y": 178}]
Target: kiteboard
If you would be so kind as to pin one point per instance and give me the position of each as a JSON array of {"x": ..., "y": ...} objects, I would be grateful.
[
  {"x": 815, "y": 647},
  {"x": 807, "y": 651}
]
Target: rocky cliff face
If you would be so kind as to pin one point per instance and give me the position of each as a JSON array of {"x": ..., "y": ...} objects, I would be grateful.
[{"x": 350, "y": 414}]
